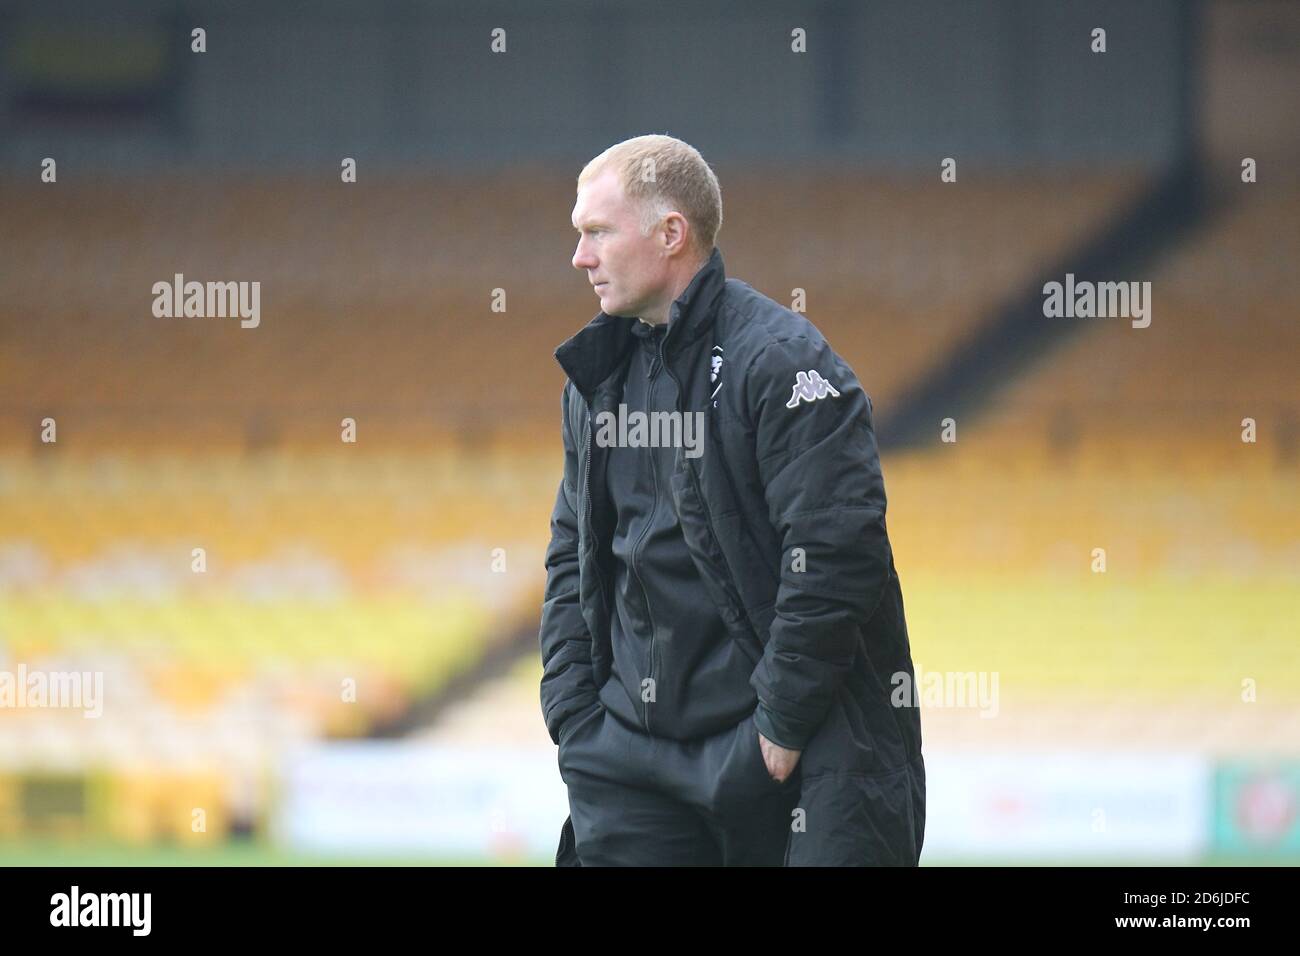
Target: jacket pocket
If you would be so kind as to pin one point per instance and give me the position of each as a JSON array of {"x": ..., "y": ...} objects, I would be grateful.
[
  {"x": 575, "y": 726},
  {"x": 843, "y": 743},
  {"x": 741, "y": 776}
]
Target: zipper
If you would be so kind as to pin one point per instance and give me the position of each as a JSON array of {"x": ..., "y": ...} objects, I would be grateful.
[
  {"x": 654, "y": 509},
  {"x": 591, "y": 524}
]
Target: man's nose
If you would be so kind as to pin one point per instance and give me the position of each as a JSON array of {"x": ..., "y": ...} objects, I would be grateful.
[{"x": 582, "y": 259}]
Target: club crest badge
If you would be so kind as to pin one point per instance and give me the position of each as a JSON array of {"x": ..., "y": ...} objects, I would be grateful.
[{"x": 715, "y": 373}]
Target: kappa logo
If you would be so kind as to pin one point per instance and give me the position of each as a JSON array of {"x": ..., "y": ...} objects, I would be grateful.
[{"x": 810, "y": 386}]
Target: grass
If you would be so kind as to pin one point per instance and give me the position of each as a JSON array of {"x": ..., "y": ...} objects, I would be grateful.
[{"x": 50, "y": 853}]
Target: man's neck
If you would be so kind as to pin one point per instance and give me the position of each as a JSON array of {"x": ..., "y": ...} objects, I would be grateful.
[{"x": 661, "y": 314}]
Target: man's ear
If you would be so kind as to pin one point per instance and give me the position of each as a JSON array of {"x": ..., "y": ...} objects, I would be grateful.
[{"x": 677, "y": 233}]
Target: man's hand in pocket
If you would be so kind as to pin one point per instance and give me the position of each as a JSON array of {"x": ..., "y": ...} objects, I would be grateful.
[{"x": 780, "y": 761}]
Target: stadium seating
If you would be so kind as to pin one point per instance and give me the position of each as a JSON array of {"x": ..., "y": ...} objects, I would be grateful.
[{"x": 329, "y": 562}]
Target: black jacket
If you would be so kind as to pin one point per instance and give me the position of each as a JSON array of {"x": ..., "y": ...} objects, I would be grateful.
[
  {"x": 784, "y": 514},
  {"x": 677, "y": 671}
]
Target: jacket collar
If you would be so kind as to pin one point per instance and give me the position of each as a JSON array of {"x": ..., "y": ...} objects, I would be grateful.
[{"x": 591, "y": 356}]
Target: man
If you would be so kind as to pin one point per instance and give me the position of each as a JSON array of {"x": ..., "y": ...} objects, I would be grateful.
[{"x": 722, "y": 625}]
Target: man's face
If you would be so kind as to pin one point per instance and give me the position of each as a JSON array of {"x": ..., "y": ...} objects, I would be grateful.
[{"x": 628, "y": 270}]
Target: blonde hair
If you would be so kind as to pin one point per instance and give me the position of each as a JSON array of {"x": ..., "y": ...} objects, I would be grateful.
[{"x": 662, "y": 174}]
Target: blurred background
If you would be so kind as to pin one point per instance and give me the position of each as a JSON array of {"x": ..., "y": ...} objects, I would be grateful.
[{"x": 271, "y": 594}]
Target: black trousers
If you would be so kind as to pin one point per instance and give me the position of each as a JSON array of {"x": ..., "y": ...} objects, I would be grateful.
[{"x": 638, "y": 800}]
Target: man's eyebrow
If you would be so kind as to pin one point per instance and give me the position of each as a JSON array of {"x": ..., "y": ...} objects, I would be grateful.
[{"x": 590, "y": 222}]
